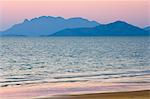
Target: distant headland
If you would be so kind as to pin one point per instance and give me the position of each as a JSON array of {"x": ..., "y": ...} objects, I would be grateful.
[{"x": 59, "y": 26}]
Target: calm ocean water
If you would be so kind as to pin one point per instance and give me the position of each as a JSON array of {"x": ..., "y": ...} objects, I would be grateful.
[{"x": 25, "y": 60}]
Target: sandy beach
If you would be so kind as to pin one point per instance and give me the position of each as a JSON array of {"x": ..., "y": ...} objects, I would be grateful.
[
  {"x": 117, "y": 88},
  {"x": 51, "y": 91}
]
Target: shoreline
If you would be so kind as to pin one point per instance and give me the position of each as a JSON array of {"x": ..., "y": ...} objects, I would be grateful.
[
  {"x": 78, "y": 89},
  {"x": 71, "y": 90}
]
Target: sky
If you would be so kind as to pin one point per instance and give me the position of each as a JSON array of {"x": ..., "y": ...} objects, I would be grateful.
[{"x": 136, "y": 12}]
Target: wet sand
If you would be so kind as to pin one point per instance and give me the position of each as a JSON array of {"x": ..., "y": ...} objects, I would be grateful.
[{"x": 143, "y": 94}]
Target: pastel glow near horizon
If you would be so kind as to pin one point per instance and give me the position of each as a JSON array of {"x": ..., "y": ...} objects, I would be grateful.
[{"x": 135, "y": 12}]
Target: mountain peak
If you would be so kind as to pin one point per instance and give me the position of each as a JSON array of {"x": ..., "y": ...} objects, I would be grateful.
[
  {"x": 41, "y": 18},
  {"x": 26, "y": 20},
  {"x": 119, "y": 22},
  {"x": 47, "y": 17},
  {"x": 77, "y": 18}
]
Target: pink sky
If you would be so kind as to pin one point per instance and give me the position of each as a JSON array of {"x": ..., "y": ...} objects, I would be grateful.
[{"x": 135, "y": 12}]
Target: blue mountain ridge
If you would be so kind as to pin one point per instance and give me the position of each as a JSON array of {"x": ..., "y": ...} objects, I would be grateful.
[
  {"x": 46, "y": 25},
  {"x": 58, "y": 26},
  {"x": 118, "y": 28}
]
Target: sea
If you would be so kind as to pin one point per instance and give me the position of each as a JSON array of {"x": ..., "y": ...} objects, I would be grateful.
[{"x": 32, "y": 60}]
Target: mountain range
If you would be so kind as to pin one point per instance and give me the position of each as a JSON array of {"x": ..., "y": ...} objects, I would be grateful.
[
  {"x": 46, "y": 25},
  {"x": 117, "y": 28},
  {"x": 58, "y": 26}
]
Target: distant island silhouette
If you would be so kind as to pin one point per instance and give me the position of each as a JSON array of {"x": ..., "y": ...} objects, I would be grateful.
[{"x": 58, "y": 26}]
